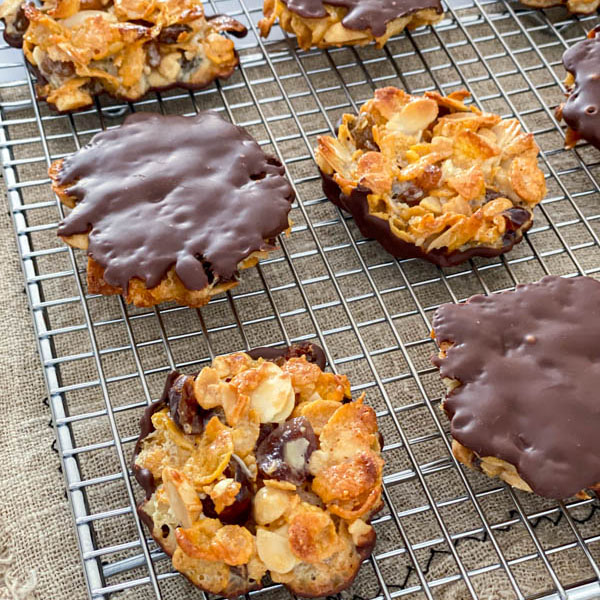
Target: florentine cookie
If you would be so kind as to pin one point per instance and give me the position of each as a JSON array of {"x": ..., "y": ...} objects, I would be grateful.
[
  {"x": 347, "y": 22},
  {"x": 582, "y": 7},
  {"x": 15, "y": 22},
  {"x": 522, "y": 370},
  {"x": 429, "y": 177},
  {"x": 581, "y": 111},
  {"x": 261, "y": 464},
  {"x": 80, "y": 48},
  {"x": 170, "y": 207}
]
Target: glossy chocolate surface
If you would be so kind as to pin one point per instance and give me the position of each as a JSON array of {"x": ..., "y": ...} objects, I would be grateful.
[
  {"x": 529, "y": 365},
  {"x": 371, "y": 226},
  {"x": 581, "y": 111},
  {"x": 363, "y": 14},
  {"x": 194, "y": 192}
]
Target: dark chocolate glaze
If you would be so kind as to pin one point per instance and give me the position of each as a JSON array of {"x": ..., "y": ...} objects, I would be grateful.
[
  {"x": 194, "y": 192},
  {"x": 529, "y": 365},
  {"x": 581, "y": 111},
  {"x": 370, "y": 226},
  {"x": 363, "y": 14}
]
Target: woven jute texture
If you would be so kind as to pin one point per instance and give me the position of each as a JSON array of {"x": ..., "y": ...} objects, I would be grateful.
[{"x": 39, "y": 555}]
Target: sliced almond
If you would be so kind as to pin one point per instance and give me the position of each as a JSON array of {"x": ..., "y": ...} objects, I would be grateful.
[
  {"x": 183, "y": 499},
  {"x": 414, "y": 117},
  {"x": 273, "y": 398},
  {"x": 274, "y": 550}
]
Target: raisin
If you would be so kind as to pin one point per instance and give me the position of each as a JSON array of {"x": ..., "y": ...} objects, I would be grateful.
[
  {"x": 407, "y": 192},
  {"x": 170, "y": 34},
  {"x": 362, "y": 132},
  {"x": 491, "y": 195},
  {"x": 285, "y": 452},
  {"x": 50, "y": 67},
  {"x": 429, "y": 179},
  {"x": 21, "y": 21}
]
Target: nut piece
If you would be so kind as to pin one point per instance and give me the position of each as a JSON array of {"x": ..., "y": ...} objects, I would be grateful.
[
  {"x": 274, "y": 550},
  {"x": 360, "y": 531},
  {"x": 224, "y": 492},
  {"x": 211, "y": 392},
  {"x": 183, "y": 499},
  {"x": 270, "y": 504},
  {"x": 273, "y": 399}
]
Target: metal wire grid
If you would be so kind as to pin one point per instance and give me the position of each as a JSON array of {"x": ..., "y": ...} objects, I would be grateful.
[{"x": 104, "y": 361}]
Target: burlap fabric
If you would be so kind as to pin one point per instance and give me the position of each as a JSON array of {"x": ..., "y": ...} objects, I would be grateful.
[{"x": 40, "y": 557}]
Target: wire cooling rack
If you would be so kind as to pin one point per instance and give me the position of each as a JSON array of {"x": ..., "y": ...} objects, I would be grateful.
[{"x": 444, "y": 532}]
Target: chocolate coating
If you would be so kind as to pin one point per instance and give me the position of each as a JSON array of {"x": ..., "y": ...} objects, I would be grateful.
[
  {"x": 529, "y": 365},
  {"x": 194, "y": 192},
  {"x": 581, "y": 111},
  {"x": 371, "y": 226},
  {"x": 363, "y": 14}
]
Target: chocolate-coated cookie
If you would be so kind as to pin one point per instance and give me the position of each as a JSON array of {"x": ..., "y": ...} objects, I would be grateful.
[
  {"x": 347, "y": 22},
  {"x": 581, "y": 110},
  {"x": 171, "y": 207},
  {"x": 522, "y": 370},
  {"x": 432, "y": 178},
  {"x": 81, "y": 48}
]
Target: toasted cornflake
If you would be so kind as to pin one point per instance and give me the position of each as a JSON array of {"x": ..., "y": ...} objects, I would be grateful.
[
  {"x": 212, "y": 454},
  {"x": 312, "y": 534},
  {"x": 208, "y": 540},
  {"x": 124, "y": 48},
  {"x": 224, "y": 524},
  {"x": 223, "y": 493},
  {"x": 432, "y": 165},
  {"x": 318, "y": 412},
  {"x": 353, "y": 487}
]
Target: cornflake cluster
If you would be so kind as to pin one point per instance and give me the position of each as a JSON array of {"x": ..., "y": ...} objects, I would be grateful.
[
  {"x": 445, "y": 176},
  {"x": 124, "y": 47},
  {"x": 261, "y": 466},
  {"x": 329, "y": 30}
]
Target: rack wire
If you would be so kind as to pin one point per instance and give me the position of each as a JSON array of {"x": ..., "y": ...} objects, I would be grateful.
[{"x": 444, "y": 532}]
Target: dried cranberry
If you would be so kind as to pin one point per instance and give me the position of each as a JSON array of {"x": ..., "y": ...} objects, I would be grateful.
[
  {"x": 516, "y": 217},
  {"x": 285, "y": 452}
]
